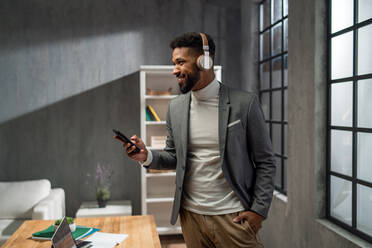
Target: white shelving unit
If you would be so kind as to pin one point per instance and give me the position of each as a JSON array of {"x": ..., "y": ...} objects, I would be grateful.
[{"x": 158, "y": 188}]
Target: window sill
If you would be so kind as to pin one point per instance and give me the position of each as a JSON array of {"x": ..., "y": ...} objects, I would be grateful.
[
  {"x": 280, "y": 196},
  {"x": 344, "y": 233}
]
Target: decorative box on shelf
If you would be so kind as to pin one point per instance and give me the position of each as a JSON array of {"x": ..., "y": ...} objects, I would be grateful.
[
  {"x": 158, "y": 142},
  {"x": 152, "y": 171},
  {"x": 151, "y": 92}
]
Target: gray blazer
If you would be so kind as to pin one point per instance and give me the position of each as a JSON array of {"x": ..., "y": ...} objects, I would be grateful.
[{"x": 245, "y": 148}]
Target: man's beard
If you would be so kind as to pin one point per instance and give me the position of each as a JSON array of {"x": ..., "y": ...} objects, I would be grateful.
[{"x": 190, "y": 82}]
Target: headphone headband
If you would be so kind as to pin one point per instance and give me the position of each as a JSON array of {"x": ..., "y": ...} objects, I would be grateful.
[{"x": 205, "y": 42}]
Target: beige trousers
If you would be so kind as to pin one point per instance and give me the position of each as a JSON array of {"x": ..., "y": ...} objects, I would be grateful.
[{"x": 216, "y": 231}]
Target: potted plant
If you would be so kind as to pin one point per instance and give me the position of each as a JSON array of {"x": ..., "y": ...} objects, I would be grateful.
[
  {"x": 103, "y": 176},
  {"x": 70, "y": 222},
  {"x": 103, "y": 195}
]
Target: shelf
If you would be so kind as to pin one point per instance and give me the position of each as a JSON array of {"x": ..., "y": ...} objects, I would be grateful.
[
  {"x": 160, "y": 97},
  {"x": 158, "y": 69},
  {"x": 155, "y": 122},
  {"x": 159, "y": 200},
  {"x": 165, "y": 174},
  {"x": 163, "y": 230},
  {"x": 167, "y": 69},
  {"x": 155, "y": 148}
]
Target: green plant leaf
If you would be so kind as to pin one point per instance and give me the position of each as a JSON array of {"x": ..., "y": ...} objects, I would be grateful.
[{"x": 70, "y": 220}]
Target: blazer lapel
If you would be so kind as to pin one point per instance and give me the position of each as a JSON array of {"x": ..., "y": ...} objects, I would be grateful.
[
  {"x": 223, "y": 117},
  {"x": 183, "y": 123}
]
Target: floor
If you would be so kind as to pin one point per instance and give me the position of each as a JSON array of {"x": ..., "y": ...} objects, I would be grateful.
[{"x": 172, "y": 241}]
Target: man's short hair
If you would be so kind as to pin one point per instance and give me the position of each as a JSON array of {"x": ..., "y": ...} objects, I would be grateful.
[{"x": 194, "y": 41}]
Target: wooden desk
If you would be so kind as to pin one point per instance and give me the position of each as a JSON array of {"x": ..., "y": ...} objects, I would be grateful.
[{"x": 141, "y": 230}]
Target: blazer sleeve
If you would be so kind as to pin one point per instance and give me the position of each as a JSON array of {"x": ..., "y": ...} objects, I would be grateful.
[
  {"x": 166, "y": 159},
  {"x": 263, "y": 158}
]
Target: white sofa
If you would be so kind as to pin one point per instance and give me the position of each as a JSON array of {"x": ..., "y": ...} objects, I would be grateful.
[{"x": 33, "y": 199}]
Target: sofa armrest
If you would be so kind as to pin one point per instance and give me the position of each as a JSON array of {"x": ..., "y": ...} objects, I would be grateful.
[{"x": 51, "y": 207}]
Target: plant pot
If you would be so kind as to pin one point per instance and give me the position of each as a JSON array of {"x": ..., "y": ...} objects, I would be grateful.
[
  {"x": 72, "y": 227},
  {"x": 101, "y": 203},
  {"x": 102, "y": 195}
]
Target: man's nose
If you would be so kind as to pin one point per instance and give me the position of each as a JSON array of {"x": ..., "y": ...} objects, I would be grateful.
[{"x": 176, "y": 70}]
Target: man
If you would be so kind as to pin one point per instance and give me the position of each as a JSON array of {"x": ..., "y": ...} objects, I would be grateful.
[{"x": 219, "y": 145}]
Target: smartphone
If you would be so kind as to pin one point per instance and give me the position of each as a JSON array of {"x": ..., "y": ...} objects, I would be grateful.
[{"x": 124, "y": 139}]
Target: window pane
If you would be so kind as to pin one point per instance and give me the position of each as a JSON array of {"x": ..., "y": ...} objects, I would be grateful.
[
  {"x": 265, "y": 45},
  {"x": 285, "y": 38},
  {"x": 342, "y": 104},
  {"x": 261, "y": 46},
  {"x": 261, "y": 16},
  {"x": 265, "y": 75},
  {"x": 277, "y": 105},
  {"x": 365, "y": 50},
  {"x": 265, "y": 102},
  {"x": 285, "y": 148},
  {"x": 342, "y": 56},
  {"x": 277, "y": 73},
  {"x": 364, "y": 156},
  {"x": 285, "y": 8},
  {"x": 341, "y": 199},
  {"x": 276, "y": 10},
  {"x": 276, "y": 138},
  {"x": 342, "y": 14},
  {"x": 341, "y": 152},
  {"x": 285, "y": 174},
  {"x": 364, "y": 203},
  {"x": 285, "y": 66},
  {"x": 278, "y": 174},
  {"x": 276, "y": 39},
  {"x": 365, "y": 103},
  {"x": 267, "y": 13},
  {"x": 365, "y": 10},
  {"x": 286, "y": 105}
]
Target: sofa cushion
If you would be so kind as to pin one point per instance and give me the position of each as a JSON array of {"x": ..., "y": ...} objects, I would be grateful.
[
  {"x": 18, "y": 198},
  {"x": 7, "y": 228}
]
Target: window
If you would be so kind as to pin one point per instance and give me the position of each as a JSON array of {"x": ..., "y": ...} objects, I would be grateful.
[
  {"x": 349, "y": 139},
  {"x": 273, "y": 47}
]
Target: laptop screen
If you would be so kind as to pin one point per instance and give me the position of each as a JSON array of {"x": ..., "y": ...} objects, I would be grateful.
[{"x": 62, "y": 237}]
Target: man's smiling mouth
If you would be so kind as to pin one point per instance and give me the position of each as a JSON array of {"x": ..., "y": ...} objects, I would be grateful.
[{"x": 181, "y": 78}]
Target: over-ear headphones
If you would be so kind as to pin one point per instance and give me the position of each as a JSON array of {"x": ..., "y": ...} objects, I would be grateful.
[{"x": 204, "y": 61}]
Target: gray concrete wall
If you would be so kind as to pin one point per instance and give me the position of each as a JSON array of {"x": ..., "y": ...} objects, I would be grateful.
[
  {"x": 250, "y": 51},
  {"x": 66, "y": 140},
  {"x": 298, "y": 221},
  {"x": 63, "y": 64}
]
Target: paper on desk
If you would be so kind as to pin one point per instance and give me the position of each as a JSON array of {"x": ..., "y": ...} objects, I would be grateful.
[{"x": 104, "y": 240}]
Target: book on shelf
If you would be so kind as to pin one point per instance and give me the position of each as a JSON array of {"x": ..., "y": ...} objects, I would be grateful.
[
  {"x": 149, "y": 116},
  {"x": 152, "y": 111}
]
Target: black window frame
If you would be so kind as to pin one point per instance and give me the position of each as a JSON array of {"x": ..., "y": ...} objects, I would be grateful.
[
  {"x": 283, "y": 55},
  {"x": 354, "y": 129}
]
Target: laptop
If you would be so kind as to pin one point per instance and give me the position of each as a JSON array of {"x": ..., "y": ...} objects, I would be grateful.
[{"x": 62, "y": 237}]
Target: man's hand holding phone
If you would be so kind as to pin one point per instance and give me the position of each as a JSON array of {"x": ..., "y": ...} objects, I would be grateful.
[
  {"x": 134, "y": 147},
  {"x": 140, "y": 156}
]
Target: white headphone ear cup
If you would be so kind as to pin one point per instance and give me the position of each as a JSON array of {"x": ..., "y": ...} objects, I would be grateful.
[
  {"x": 204, "y": 62},
  {"x": 199, "y": 62},
  {"x": 208, "y": 62}
]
